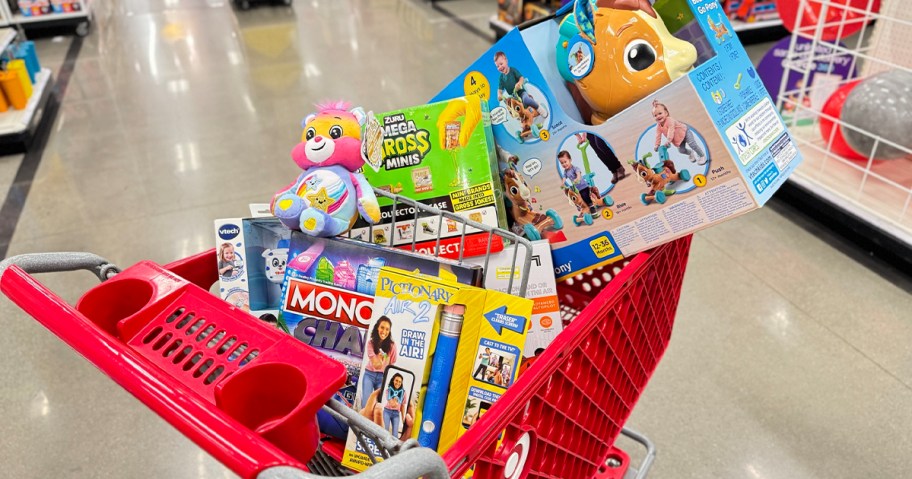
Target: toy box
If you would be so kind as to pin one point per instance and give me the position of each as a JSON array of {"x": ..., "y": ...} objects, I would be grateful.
[
  {"x": 491, "y": 347},
  {"x": 328, "y": 294},
  {"x": 545, "y": 321},
  {"x": 402, "y": 343},
  {"x": 252, "y": 253},
  {"x": 442, "y": 155},
  {"x": 603, "y": 176}
]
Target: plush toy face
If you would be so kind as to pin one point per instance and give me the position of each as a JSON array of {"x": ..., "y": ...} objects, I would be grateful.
[{"x": 331, "y": 137}]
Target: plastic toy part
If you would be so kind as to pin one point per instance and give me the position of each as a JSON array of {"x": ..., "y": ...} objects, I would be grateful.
[
  {"x": 202, "y": 365},
  {"x": 562, "y": 416},
  {"x": 633, "y": 55},
  {"x": 833, "y": 108},
  {"x": 839, "y": 18},
  {"x": 880, "y": 105}
]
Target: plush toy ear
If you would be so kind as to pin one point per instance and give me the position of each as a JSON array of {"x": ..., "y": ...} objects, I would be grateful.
[
  {"x": 359, "y": 114},
  {"x": 308, "y": 119}
]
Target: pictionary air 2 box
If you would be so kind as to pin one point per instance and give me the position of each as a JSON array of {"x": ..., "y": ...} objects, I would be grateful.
[
  {"x": 409, "y": 382},
  {"x": 328, "y": 294},
  {"x": 621, "y": 128},
  {"x": 442, "y": 155},
  {"x": 252, "y": 253}
]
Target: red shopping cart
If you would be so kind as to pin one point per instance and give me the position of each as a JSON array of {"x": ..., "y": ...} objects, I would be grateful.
[{"x": 248, "y": 394}]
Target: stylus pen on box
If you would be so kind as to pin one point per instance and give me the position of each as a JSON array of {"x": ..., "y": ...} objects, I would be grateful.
[{"x": 441, "y": 372}]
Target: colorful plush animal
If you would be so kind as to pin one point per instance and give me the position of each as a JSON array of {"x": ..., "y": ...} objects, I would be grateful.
[
  {"x": 330, "y": 192},
  {"x": 633, "y": 52},
  {"x": 532, "y": 224},
  {"x": 526, "y": 116},
  {"x": 657, "y": 179}
]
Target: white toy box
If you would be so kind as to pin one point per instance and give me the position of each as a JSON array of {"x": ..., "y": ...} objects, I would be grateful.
[{"x": 252, "y": 253}]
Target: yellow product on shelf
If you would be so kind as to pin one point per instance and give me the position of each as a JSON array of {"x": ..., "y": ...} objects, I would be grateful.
[
  {"x": 12, "y": 88},
  {"x": 19, "y": 67}
]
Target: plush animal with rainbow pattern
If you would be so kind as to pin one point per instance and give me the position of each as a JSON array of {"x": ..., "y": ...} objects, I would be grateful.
[{"x": 329, "y": 194}]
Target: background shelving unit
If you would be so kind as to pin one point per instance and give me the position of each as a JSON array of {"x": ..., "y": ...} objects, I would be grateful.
[
  {"x": 18, "y": 127},
  {"x": 79, "y": 21},
  {"x": 748, "y": 32},
  {"x": 869, "y": 201}
]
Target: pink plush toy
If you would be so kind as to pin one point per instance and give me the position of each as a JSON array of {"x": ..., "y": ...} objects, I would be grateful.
[{"x": 330, "y": 192}]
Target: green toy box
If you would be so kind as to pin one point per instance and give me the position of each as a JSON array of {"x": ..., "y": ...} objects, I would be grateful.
[{"x": 442, "y": 155}]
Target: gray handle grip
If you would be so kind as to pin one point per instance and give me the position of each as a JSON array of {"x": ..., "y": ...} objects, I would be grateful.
[{"x": 59, "y": 262}]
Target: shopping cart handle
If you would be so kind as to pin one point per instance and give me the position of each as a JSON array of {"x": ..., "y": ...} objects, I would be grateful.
[
  {"x": 58, "y": 262},
  {"x": 413, "y": 463}
]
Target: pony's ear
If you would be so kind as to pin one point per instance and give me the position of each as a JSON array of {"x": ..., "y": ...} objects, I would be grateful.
[
  {"x": 359, "y": 115},
  {"x": 308, "y": 119}
]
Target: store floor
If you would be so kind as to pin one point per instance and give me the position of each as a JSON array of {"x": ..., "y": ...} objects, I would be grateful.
[{"x": 790, "y": 356}]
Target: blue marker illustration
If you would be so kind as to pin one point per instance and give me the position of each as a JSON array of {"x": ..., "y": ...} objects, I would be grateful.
[{"x": 441, "y": 372}]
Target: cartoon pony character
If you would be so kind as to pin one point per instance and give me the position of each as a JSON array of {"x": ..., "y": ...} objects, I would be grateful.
[
  {"x": 719, "y": 29},
  {"x": 330, "y": 192},
  {"x": 534, "y": 225},
  {"x": 658, "y": 179},
  {"x": 633, "y": 52},
  {"x": 583, "y": 216},
  {"x": 526, "y": 116}
]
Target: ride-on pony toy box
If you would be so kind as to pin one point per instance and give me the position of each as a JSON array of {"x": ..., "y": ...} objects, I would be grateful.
[{"x": 626, "y": 125}]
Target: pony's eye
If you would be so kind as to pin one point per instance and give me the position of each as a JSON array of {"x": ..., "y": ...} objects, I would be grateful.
[
  {"x": 514, "y": 190},
  {"x": 643, "y": 174},
  {"x": 639, "y": 55},
  {"x": 335, "y": 132},
  {"x": 310, "y": 133}
]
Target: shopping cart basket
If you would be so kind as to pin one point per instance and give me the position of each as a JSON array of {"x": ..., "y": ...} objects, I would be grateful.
[{"x": 559, "y": 420}]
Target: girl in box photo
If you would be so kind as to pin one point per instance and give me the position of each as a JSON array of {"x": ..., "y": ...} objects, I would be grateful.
[
  {"x": 676, "y": 133},
  {"x": 395, "y": 395},
  {"x": 381, "y": 352}
]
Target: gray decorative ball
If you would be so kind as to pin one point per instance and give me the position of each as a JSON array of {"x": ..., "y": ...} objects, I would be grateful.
[{"x": 882, "y": 105}]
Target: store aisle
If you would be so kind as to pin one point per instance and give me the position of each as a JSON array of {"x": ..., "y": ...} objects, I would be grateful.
[{"x": 789, "y": 358}]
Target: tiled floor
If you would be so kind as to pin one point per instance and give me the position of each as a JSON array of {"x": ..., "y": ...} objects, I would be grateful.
[{"x": 790, "y": 356}]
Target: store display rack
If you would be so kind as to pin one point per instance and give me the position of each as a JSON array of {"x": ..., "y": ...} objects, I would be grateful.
[
  {"x": 868, "y": 201},
  {"x": 18, "y": 127},
  {"x": 77, "y": 21},
  {"x": 748, "y": 33}
]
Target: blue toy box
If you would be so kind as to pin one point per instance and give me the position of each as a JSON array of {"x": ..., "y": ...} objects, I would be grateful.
[
  {"x": 252, "y": 253},
  {"x": 619, "y": 129}
]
